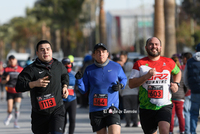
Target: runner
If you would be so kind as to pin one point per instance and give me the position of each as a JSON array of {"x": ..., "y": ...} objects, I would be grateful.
[
  {"x": 46, "y": 79},
  {"x": 70, "y": 102},
  {"x": 103, "y": 80},
  {"x": 1, "y": 85},
  {"x": 13, "y": 98},
  {"x": 152, "y": 75}
]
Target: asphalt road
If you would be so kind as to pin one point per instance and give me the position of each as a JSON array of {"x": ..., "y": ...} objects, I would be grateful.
[{"x": 82, "y": 121}]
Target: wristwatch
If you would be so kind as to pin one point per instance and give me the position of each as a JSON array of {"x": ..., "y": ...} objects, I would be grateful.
[{"x": 177, "y": 83}]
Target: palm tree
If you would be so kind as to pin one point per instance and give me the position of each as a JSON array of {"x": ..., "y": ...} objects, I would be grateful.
[
  {"x": 102, "y": 23},
  {"x": 159, "y": 22},
  {"x": 170, "y": 33}
]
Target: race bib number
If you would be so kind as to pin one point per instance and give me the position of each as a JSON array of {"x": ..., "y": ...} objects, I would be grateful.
[
  {"x": 71, "y": 90},
  {"x": 46, "y": 101},
  {"x": 155, "y": 91},
  {"x": 100, "y": 100}
]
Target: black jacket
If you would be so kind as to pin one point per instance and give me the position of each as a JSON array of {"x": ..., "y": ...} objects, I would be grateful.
[{"x": 35, "y": 71}]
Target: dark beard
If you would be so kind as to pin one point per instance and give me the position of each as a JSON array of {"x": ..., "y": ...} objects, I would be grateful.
[{"x": 152, "y": 54}]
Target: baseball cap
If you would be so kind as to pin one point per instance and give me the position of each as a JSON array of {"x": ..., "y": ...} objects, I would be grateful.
[
  {"x": 11, "y": 57},
  {"x": 66, "y": 61},
  {"x": 198, "y": 47},
  {"x": 100, "y": 45}
]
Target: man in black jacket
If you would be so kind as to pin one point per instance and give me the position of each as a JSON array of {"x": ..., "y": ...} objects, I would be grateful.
[{"x": 46, "y": 79}]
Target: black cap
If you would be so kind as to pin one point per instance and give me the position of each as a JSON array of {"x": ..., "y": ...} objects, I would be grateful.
[
  {"x": 198, "y": 47},
  {"x": 66, "y": 61},
  {"x": 100, "y": 45},
  {"x": 11, "y": 57}
]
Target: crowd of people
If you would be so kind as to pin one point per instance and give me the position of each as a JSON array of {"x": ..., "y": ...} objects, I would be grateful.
[{"x": 151, "y": 92}]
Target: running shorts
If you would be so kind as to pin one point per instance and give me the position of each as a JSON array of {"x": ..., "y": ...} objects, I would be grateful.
[
  {"x": 105, "y": 118},
  {"x": 149, "y": 118},
  {"x": 13, "y": 95}
]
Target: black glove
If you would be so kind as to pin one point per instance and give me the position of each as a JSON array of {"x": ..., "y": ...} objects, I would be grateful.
[
  {"x": 117, "y": 87},
  {"x": 78, "y": 75}
]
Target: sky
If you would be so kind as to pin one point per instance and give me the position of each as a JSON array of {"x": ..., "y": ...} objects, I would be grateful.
[{"x": 16, "y": 8}]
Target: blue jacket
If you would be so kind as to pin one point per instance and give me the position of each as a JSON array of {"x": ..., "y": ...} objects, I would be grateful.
[
  {"x": 99, "y": 80},
  {"x": 72, "y": 81},
  {"x": 192, "y": 73}
]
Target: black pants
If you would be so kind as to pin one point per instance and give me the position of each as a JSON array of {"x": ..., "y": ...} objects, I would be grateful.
[
  {"x": 131, "y": 109},
  {"x": 43, "y": 124},
  {"x": 70, "y": 108}
]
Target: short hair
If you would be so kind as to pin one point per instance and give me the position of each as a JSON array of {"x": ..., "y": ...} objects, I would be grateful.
[
  {"x": 123, "y": 52},
  {"x": 151, "y": 38},
  {"x": 42, "y": 42},
  {"x": 187, "y": 55}
]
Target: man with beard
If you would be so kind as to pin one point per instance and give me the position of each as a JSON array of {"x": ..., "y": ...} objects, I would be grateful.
[{"x": 152, "y": 75}]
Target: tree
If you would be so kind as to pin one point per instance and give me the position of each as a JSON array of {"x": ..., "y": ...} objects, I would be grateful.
[
  {"x": 159, "y": 22},
  {"x": 191, "y": 7},
  {"x": 102, "y": 23},
  {"x": 60, "y": 15},
  {"x": 170, "y": 34},
  {"x": 55, "y": 20}
]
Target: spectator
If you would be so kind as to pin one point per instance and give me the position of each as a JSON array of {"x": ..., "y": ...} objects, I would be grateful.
[
  {"x": 130, "y": 100},
  {"x": 124, "y": 57},
  {"x": 28, "y": 62},
  {"x": 84, "y": 97},
  {"x": 192, "y": 81},
  {"x": 187, "y": 102},
  {"x": 121, "y": 107},
  {"x": 178, "y": 101}
]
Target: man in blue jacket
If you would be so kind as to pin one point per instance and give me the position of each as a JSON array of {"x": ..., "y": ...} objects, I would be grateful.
[{"x": 103, "y": 80}]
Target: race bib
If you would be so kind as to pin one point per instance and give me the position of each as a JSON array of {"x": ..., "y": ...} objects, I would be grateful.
[
  {"x": 71, "y": 90},
  {"x": 100, "y": 99},
  {"x": 46, "y": 101},
  {"x": 155, "y": 91}
]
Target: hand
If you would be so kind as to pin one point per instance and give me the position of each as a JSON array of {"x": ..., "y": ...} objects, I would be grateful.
[
  {"x": 42, "y": 82},
  {"x": 7, "y": 78},
  {"x": 173, "y": 87},
  {"x": 117, "y": 87},
  {"x": 78, "y": 75},
  {"x": 152, "y": 72},
  {"x": 65, "y": 92}
]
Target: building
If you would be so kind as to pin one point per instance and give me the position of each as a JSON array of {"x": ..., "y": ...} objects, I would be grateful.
[{"x": 126, "y": 27}]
